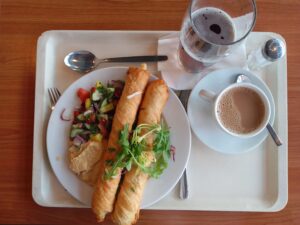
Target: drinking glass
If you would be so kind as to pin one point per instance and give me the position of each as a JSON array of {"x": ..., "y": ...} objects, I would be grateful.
[{"x": 212, "y": 29}]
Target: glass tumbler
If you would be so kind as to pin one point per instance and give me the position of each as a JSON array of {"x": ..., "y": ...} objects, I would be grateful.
[{"x": 212, "y": 29}]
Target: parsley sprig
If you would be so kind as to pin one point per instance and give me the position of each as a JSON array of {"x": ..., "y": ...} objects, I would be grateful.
[{"x": 133, "y": 151}]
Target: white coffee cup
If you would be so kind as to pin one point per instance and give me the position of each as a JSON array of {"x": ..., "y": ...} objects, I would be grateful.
[{"x": 215, "y": 99}]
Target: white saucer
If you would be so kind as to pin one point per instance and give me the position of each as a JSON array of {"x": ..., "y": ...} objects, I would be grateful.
[{"x": 200, "y": 113}]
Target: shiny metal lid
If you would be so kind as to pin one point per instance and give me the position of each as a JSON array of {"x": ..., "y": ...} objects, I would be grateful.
[{"x": 274, "y": 49}]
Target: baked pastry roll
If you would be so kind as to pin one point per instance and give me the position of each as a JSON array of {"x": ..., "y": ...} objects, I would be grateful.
[
  {"x": 126, "y": 110},
  {"x": 127, "y": 206}
]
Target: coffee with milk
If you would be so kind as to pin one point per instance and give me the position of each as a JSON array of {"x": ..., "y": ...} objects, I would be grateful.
[{"x": 241, "y": 110}]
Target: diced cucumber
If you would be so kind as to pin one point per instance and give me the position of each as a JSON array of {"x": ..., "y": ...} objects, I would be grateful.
[
  {"x": 96, "y": 96},
  {"x": 94, "y": 128},
  {"x": 87, "y": 126},
  {"x": 110, "y": 92},
  {"x": 102, "y": 116},
  {"x": 104, "y": 103},
  {"x": 88, "y": 112},
  {"x": 107, "y": 108},
  {"x": 78, "y": 125},
  {"x": 75, "y": 132},
  {"x": 80, "y": 117}
]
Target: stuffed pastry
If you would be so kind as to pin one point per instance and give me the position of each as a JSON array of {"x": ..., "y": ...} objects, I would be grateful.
[
  {"x": 126, "y": 110},
  {"x": 126, "y": 211}
]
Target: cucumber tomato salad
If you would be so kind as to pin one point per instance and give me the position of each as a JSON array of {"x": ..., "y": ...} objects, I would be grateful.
[{"x": 93, "y": 119}]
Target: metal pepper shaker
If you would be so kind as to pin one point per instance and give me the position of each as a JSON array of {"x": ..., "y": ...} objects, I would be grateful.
[{"x": 271, "y": 51}]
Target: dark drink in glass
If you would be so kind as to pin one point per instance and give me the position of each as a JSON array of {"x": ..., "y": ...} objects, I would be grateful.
[{"x": 210, "y": 33}]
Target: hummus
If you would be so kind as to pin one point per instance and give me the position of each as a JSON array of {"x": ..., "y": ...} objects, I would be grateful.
[{"x": 85, "y": 162}]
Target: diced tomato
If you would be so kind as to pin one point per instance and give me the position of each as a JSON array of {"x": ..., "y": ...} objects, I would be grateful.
[
  {"x": 76, "y": 113},
  {"x": 103, "y": 122},
  {"x": 91, "y": 119},
  {"x": 103, "y": 130},
  {"x": 83, "y": 94},
  {"x": 93, "y": 89}
]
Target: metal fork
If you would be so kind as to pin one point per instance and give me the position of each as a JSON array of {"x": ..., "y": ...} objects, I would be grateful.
[{"x": 54, "y": 95}]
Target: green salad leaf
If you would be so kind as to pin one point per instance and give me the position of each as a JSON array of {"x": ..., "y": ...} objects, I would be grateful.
[{"x": 133, "y": 150}]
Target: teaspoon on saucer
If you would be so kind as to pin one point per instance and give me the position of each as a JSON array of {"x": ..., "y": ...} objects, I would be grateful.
[
  {"x": 243, "y": 78},
  {"x": 84, "y": 61}
]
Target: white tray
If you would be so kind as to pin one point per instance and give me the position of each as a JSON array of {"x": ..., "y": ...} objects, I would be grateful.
[{"x": 255, "y": 181}]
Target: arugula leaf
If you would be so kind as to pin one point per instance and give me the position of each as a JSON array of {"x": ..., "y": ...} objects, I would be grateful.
[
  {"x": 132, "y": 151},
  {"x": 120, "y": 161}
]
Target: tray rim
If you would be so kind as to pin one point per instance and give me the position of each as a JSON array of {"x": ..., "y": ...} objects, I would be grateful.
[{"x": 282, "y": 197}]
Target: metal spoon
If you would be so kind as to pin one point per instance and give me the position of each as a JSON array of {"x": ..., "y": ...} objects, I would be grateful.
[
  {"x": 85, "y": 61},
  {"x": 243, "y": 78}
]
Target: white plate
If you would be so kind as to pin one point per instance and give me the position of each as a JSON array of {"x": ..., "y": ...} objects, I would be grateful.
[
  {"x": 58, "y": 138},
  {"x": 201, "y": 117}
]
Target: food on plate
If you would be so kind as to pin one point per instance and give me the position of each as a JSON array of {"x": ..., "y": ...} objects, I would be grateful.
[
  {"x": 148, "y": 151},
  {"x": 85, "y": 162},
  {"x": 90, "y": 128},
  {"x": 126, "y": 110},
  {"x": 106, "y": 143}
]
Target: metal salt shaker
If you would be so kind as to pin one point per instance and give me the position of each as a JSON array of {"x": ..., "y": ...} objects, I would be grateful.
[{"x": 270, "y": 52}]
